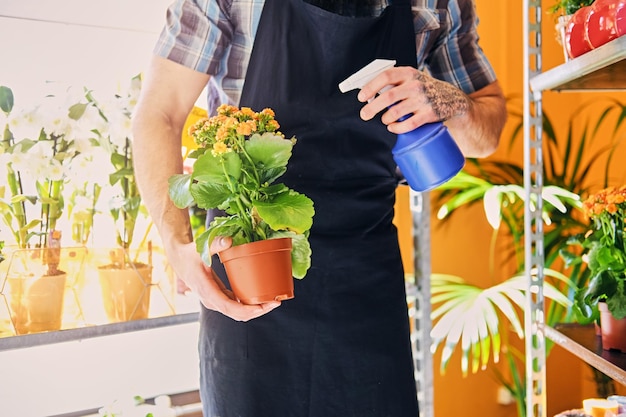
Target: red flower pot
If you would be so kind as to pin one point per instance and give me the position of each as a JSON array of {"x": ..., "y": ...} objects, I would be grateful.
[
  {"x": 620, "y": 17},
  {"x": 576, "y": 34},
  {"x": 601, "y": 26},
  {"x": 260, "y": 272}
]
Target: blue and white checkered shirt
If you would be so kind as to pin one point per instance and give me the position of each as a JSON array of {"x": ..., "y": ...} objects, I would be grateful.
[{"x": 216, "y": 37}]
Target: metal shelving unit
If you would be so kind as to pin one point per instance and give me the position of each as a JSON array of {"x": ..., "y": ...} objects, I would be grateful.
[{"x": 603, "y": 69}]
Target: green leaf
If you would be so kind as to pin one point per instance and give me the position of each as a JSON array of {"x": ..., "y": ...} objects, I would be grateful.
[
  {"x": 202, "y": 247},
  {"x": 6, "y": 99},
  {"x": 300, "y": 253},
  {"x": 77, "y": 110},
  {"x": 212, "y": 169},
  {"x": 178, "y": 190},
  {"x": 287, "y": 211},
  {"x": 617, "y": 301},
  {"x": 210, "y": 195},
  {"x": 269, "y": 150}
]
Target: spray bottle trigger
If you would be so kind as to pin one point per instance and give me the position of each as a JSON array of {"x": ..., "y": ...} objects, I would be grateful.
[{"x": 365, "y": 74}]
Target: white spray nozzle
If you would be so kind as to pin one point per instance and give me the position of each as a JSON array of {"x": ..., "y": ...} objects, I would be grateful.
[{"x": 365, "y": 74}]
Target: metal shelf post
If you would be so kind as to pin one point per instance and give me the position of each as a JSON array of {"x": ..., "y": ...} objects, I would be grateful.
[{"x": 533, "y": 223}]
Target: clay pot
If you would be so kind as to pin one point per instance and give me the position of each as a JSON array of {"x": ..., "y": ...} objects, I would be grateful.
[
  {"x": 260, "y": 272},
  {"x": 613, "y": 330}
]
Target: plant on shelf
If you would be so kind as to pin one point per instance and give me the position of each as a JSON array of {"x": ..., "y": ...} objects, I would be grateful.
[
  {"x": 39, "y": 146},
  {"x": 114, "y": 136},
  {"x": 603, "y": 250},
  {"x": 125, "y": 279},
  {"x": 241, "y": 154}
]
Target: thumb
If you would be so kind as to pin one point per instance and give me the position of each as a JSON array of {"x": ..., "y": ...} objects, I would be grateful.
[{"x": 220, "y": 243}]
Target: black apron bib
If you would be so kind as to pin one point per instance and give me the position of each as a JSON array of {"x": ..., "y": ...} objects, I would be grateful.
[{"x": 341, "y": 347}]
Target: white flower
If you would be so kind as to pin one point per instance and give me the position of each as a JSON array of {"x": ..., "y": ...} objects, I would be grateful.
[{"x": 26, "y": 124}]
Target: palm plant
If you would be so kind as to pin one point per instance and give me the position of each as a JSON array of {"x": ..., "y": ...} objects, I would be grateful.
[{"x": 475, "y": 317}]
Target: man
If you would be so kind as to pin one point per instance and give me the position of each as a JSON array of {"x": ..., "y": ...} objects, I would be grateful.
[{"x": 341, "y": 347}]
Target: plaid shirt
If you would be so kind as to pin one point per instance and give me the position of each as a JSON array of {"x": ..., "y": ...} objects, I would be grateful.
[{"x": 216, "y": 37}]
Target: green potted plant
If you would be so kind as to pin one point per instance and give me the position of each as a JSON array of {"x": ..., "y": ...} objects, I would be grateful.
[
  {"x": 603, "y": 249},
  {"x": 240, "y": 156},
  {"x": 39, "y": 145}
]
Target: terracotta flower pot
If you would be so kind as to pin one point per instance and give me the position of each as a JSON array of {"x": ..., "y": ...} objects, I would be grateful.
[
  {"x": 260, "y": 271},
  {"x": 613, "y": 330}
]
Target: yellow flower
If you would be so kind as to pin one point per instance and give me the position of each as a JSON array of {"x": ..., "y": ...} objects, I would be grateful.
[{"x": 219, "y": 148}]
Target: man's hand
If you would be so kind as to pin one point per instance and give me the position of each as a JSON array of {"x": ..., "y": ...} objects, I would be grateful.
[{"x": 203, "y": 281}]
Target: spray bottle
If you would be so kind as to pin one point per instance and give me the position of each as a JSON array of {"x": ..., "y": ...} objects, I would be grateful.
[{"x": 427, "y": 156}]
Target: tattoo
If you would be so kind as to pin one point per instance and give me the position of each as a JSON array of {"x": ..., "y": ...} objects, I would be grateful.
[{"x": 445, "y": 99}]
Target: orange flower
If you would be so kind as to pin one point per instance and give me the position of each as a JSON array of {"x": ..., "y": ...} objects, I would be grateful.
[
  {"x": 268, "y": 112},
  {"x": 246, "y": 128},
  {"x": 222, "y": 133},
  {"x": 272, "y": 125},
  {"x": 247, "y": 111}
]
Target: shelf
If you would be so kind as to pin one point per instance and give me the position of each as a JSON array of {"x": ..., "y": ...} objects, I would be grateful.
[
  {"x": 59, "y": 336},
  {"x": 582, "y": 341},
  {"x": 603, "y": 68}
]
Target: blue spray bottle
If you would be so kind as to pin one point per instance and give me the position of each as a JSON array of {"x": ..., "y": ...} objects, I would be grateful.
[{"x": 428, "y": 156}]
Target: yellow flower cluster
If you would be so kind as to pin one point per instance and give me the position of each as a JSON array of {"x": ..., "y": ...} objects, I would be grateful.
[{"x": 227, "y": 130}]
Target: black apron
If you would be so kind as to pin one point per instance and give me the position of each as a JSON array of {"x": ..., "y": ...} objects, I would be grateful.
[{"x": 341, "y": 347}]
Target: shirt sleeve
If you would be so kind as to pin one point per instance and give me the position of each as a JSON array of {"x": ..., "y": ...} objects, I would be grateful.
[
  {"x": 456, "y": 55},
  {"x": 197, "y": 34}
]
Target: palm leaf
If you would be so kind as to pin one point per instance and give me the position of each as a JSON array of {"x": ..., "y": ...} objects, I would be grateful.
[{"x": 471, "y": 316}]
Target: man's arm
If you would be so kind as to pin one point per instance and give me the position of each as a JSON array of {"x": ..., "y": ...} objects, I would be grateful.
[
  {"x": 475, "y": 121},
  {"x": 169, "y": 92}
]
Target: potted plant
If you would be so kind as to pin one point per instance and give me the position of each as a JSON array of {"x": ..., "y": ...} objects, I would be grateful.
[
  {"x": 240, "y": 156},
  {"x": 125, "y": 280},
  {"x": 603, "y": 250},
  {"x": 38, "y": 147}
]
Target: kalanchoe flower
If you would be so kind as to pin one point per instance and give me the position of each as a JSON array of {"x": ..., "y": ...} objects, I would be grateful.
[
  {"x": 241, "y": 153},
  {"x": 604, "y": 252}
]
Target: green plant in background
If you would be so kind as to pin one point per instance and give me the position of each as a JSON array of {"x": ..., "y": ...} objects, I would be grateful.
[
  {"x": 498, "y": 186},
  {"x": 115, "y": 137},
  {"x": 566, "y": 7},
  {"x": 603, "y": 251}
]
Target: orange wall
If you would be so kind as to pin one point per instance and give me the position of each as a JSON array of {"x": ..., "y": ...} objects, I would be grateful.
[{"x": 461, "y": 247}]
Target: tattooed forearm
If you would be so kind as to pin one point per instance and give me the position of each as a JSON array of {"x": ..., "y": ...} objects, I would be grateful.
[{"x": 446, "y": 100}]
